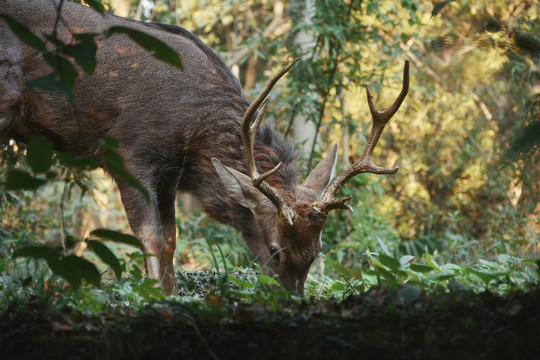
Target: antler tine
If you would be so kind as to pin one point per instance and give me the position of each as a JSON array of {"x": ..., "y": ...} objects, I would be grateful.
[
  {"x": 365, "y": 163},
  {"x": 249, "y": 131},
  {"x": 252, "y": 109}
]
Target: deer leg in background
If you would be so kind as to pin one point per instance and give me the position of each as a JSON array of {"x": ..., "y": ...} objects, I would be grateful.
[
  {"x": 166, "y": 199},
  {"x": 145, "y": 223}
]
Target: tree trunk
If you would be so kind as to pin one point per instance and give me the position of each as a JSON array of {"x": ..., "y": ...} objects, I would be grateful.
[{"x": 304, "y": 130}]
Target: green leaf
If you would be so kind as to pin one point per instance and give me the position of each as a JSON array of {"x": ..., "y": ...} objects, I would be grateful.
[
  {"x": 242, "y": 284},
  {"x": 405, "y": 259},
  {"x": 439, "y": 6},
  {"x": 109, "y": 143},
  {"x": 131, "y": 181},
  {"x": 353, "y": 273},
  {"x": 96, "y": 5},
  {"x": 63, "y": 67},
  {"x": 62, "y": 269},
  {"x": 23, "y": 33},
  {"x": 508, "y": 259},
  {"x": 39, "y": 152},
  {"x": 340, "y": 269},
  {"x": 37, "y": 252},
  {"x": 384, "y": 248},
  {"x": 439, "y": 277},
  {"x": 82, "y": 269},
  {"x": 85, "y": 55},
  {"x": 266, "y": 280},
  {"x": 390, "y": 262},
  {"x": 77, "y": 161},
  {"x": 106, "y": 256},
  {"x": 421, "y": 268},
  {"x": 115, "y": 164},
  {"x": 431, "y": 262},
  {"x": 117, "y": 237},
  {"x": 156, "y": 47},
  {"x": 22, "y": 180},
  {"x": 338, "y": 286},
  {"x": 486, "y": 276},
  {"x": 51, "y": 83}
]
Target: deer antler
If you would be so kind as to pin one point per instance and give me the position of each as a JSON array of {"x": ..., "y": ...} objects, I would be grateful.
[
  {"x": 249, "y": 131},
  {"x": 365, "y": 163}
]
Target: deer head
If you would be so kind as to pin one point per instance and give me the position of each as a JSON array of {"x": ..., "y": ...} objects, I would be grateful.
[{"x": 288, "y": 225}]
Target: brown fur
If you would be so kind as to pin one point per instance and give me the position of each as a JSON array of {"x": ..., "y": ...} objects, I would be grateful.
[{"x": 169, "y": 124}]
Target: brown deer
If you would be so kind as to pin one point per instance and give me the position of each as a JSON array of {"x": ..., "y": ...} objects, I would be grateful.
[{"x": 187, "y": 130}]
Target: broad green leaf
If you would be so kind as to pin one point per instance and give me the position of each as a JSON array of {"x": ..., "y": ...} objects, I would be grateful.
[
  {"x": 375, "y": 262},
  {"x": 439, "y": 6},
  {"x": 390, "y": 262},
  {"x": 266, "y": 280},
  {"x": 115, "y": 164},
  {"x": 117, "y": 237},
  {"x": 83, "y": 269},
  {"x": 109, "y": 143},
  {"x": 22, "y": 180},
  {"x": 106, "y": 256},
  {"x": 451, "y": 267},
  {"x": 96, "y": 5},
  {"x": 39, "y": 153},
  {"x": 242, "y": 284},
  {"x": 156, "y": 47},
  {"x": 354, "y": 272},
  {"x": 338, "y": 286},
  {"x": 52, "y": 83},
  {"x": 72, "y": 268},
  {"x": 384, "y": 248},
  {"x": 431, "y": 262},
  {"x": 489, "y": 264},
  {"x": 131, "y": 181},
  {"x": 439, "y": 277},
  {"x": 486, "y": 276},
  {"x": 37, "y": 252},
  {"x": 149, "y": 289},
  {"x": 63, "y": 269},
  {"x": 77, "y": 161},
  {"x": 508, "y": 259},
  {"x": 85, "y": 55},
  {"x": 421, "y": 268},
  {"x": 340, "y": 269},
  {"x": 63, "y": 67},
  {"x": 23, "y": 33},
  {"x": 404, "y": 260}
]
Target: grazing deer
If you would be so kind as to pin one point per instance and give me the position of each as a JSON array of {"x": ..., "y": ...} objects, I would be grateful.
[{"x": 187, "y": 130}]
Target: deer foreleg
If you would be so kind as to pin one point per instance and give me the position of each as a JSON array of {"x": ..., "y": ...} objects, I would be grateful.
[
  {"x": 145, "y": 222},
  {"x": 166, "y": 197}
]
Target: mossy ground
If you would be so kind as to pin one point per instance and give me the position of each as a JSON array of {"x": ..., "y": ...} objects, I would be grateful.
[{"x": 376, "y": 324}]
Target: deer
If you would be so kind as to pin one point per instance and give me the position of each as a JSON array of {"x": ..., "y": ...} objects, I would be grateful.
[{"x": 189, "y": 130}]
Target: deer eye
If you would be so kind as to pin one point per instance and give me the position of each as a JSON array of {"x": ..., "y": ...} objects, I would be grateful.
[{"x": 273, "y": 251}]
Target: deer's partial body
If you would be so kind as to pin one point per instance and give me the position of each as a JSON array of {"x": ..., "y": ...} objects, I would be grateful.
[{"x": 170, "y": 124}]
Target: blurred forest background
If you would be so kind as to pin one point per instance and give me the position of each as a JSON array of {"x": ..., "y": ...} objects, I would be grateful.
[{"x": 465, "y": 139}]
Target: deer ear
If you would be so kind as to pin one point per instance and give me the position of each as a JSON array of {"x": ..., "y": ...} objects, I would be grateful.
[
  {"x": 238, "y": 185},
  {"x": 325, "y": 170}
]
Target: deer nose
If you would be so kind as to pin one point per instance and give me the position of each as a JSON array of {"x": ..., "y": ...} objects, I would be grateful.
[{"x": 295, "y": 286}]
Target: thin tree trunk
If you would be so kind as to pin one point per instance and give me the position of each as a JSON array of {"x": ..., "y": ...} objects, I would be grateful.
[{"x": 304, "y": 130}]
